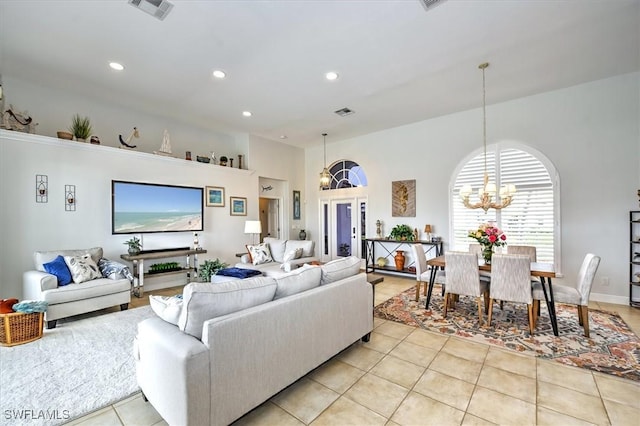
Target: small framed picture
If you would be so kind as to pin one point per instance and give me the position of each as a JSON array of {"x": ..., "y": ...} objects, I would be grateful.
[
  {"x": 238, "y": 206},
  {"x": 214, "y": 196},
  {"x": 296, "y": 205}
]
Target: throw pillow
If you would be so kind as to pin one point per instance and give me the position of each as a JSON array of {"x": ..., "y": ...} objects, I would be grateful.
[
  {"x": 167, "y": 308},
  {"x": 293, "y": 254},
  {"x": 288, "y": 266},
  {"x": 82, "y": 268},
  {"x": 59, "y": 268},
  {"x": 260, "y": 254},
  {"x": 114, "y": 270}
]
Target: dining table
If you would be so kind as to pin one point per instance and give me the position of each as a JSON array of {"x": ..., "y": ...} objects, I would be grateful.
[{"x": 545, "y": 271}]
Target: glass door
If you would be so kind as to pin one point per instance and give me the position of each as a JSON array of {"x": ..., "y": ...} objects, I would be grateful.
[{"x": 342, "y": 227}]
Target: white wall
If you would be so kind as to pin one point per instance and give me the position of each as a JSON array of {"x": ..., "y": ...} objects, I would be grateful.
[
  {"x": 28, "y": 226},
  {"x": 590, "y": 132}
]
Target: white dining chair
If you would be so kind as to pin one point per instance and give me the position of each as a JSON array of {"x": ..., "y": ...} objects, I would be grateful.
[
  {"x": 463, "y": 278},
  {"x": 526, "y": 250},
  {"x": 511, "y": 282},
  {"x": 578, "y": 295},
  {"x": 476, "y": 249},
  {"x": 423, "y": 273}
]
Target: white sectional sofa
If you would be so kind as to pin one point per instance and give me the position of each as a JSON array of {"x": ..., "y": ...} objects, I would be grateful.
[
  {"x": 238, "y": 343},
  {"x": 74, "y": 298},
  {"x": 279, "y": 250}
]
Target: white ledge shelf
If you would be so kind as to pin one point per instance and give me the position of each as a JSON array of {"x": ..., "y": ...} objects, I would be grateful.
[{"x": 145, "y": 156}]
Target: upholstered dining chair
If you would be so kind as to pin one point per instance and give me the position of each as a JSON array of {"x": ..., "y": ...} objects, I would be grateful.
[
  {"x": 526, "y": 250},
  {"x": 476, "y": 249},
  {"x": 422, "y": 271},
  {"x": 511, "y": 282},
  {"x": 463, "y": 278},
  {"x": 578, "y": 295}
]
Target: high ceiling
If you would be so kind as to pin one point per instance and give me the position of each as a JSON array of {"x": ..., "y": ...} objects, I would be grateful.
[{"x": 398, "y": 62}]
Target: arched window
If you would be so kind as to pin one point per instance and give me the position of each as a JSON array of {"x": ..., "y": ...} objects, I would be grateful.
[
  {"x": 346, "y": 174},
  {"x": 532, "y": 217}
]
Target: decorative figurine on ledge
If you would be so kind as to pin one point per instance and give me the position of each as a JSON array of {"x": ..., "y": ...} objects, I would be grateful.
[
  {"x": 127, "y": 143},
  {"x": 165, "y": 148}
]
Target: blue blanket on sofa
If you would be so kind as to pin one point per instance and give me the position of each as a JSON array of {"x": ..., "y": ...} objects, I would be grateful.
[{"x": 238, "y": 272}]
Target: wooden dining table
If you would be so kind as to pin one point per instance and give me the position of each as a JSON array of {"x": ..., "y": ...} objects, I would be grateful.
[{"x": 544, "y": 271}]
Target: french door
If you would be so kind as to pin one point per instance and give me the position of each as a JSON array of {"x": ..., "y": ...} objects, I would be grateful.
[{"x": 342, "y": 227}]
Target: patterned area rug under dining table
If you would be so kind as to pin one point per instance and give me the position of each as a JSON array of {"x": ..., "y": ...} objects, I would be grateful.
[{"x": 612, "y": 347}]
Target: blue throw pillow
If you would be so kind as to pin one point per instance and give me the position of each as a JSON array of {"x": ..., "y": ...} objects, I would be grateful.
[{"x": 59, "y": 268}]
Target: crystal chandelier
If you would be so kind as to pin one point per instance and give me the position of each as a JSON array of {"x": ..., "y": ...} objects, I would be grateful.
[
  {"x": 487, "y": 192},
  {"x": 325, "y": 176}
]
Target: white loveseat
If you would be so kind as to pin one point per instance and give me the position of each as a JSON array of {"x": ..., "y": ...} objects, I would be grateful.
[
  {"x": 210, "y": 370},
  {"x": 279, "y": 249},
  {"x": 72, "y": 299}
]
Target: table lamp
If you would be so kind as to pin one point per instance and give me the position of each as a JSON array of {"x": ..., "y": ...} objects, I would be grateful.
[
  {"x": 253, "y": 227},
  {"x": 427, "y": 230}
]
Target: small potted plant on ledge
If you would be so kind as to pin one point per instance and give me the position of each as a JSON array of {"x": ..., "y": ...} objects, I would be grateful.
[
  {"x": 80, "y": 127},
  {"x": 135, "y": 245},
  {"x": 210, "y": 268},
  {"x": 402, "y": 233}
]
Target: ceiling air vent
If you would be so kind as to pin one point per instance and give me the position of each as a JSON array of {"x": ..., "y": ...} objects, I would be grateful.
[
  {"x": 157, "y": 8},
  {"x": 430, "y": 4},
  {"x": 344, "y": 112}
]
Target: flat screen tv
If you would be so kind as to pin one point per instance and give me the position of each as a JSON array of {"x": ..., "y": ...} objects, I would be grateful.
[{"x": 138, "y": 208}]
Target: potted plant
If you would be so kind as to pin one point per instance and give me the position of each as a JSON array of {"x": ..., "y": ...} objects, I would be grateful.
[
  {"x": 80, "y": 127},
  {"x": 210, "y": 268},
  {"x": 402, "y": 233},
  {"x": 135, "y": 245}
]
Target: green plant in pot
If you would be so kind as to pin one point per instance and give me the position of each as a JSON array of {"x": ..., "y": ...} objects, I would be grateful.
[
  {"x": 401, "y": 233},
  {"x": 80, "y": 127},
  {"x": 135, "y": 245},
  {"x": 210, "y": 268}
]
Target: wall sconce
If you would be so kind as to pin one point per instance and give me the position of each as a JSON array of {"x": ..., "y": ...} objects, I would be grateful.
[
  {"x": 70, "y": 198},
  {"x": 42, "y": 188}
]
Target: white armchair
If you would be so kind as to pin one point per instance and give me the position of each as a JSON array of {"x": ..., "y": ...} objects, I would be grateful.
[{"x": 72, "y": 299}]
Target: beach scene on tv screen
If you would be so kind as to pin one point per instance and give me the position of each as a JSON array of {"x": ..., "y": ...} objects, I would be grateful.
[{"x": 151, "y": 208}]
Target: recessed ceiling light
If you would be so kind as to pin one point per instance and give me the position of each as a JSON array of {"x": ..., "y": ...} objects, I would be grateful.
[
  {"x": 247, "y": 113},
  {"x": 331, "y": 75},
  {"x": 219, "y": 74},
  {"x": 116, "y": 66}
]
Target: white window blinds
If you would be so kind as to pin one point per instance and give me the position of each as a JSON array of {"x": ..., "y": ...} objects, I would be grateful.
[{"x": 529, "y": 220}]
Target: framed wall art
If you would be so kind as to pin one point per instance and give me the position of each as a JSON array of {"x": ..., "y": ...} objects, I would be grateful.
[
  {"x": 214, "y": 196},
  {"x": 238, "y": 206},
  {"x": 296, "y": 205},
  {"x": 403, "y": 198}
]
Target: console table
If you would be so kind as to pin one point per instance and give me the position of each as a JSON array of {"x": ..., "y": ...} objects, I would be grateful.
[
  {"x": 386, "y": 249},
  {"x": 138, "y": 265}
]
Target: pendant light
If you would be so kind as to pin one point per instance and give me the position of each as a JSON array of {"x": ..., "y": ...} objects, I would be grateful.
[
  {"x": 488, "y": 190},
  {"x": 325, "y": 176}
]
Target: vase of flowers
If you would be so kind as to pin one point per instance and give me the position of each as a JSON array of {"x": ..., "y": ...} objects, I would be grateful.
[{"x": 489, "y": 236}]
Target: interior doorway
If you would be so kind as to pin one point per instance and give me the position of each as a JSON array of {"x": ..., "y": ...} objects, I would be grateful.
[{"x": 270, "y": 218}]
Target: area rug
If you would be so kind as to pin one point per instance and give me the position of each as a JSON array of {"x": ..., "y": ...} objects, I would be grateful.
[
  {"x": 76, "y": 368},
  {"x": 612, "y": 347}
]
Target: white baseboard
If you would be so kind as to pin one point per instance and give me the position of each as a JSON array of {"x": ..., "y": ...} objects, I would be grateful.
[{"x": 608, "y": 298}]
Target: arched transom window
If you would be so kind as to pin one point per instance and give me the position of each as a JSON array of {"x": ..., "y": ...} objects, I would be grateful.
[{"x": 346, "y": 174}]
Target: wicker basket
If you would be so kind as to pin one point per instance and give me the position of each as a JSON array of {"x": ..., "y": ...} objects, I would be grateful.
[{"x": 18, "y": 328}]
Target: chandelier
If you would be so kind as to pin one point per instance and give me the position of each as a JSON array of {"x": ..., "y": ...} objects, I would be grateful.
[
  {"x": 487, "y": 192},
  {"x": 325, "y": 176}
]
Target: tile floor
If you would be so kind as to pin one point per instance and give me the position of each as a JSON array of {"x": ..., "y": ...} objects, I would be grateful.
[{"x": 407, "y": 376}]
